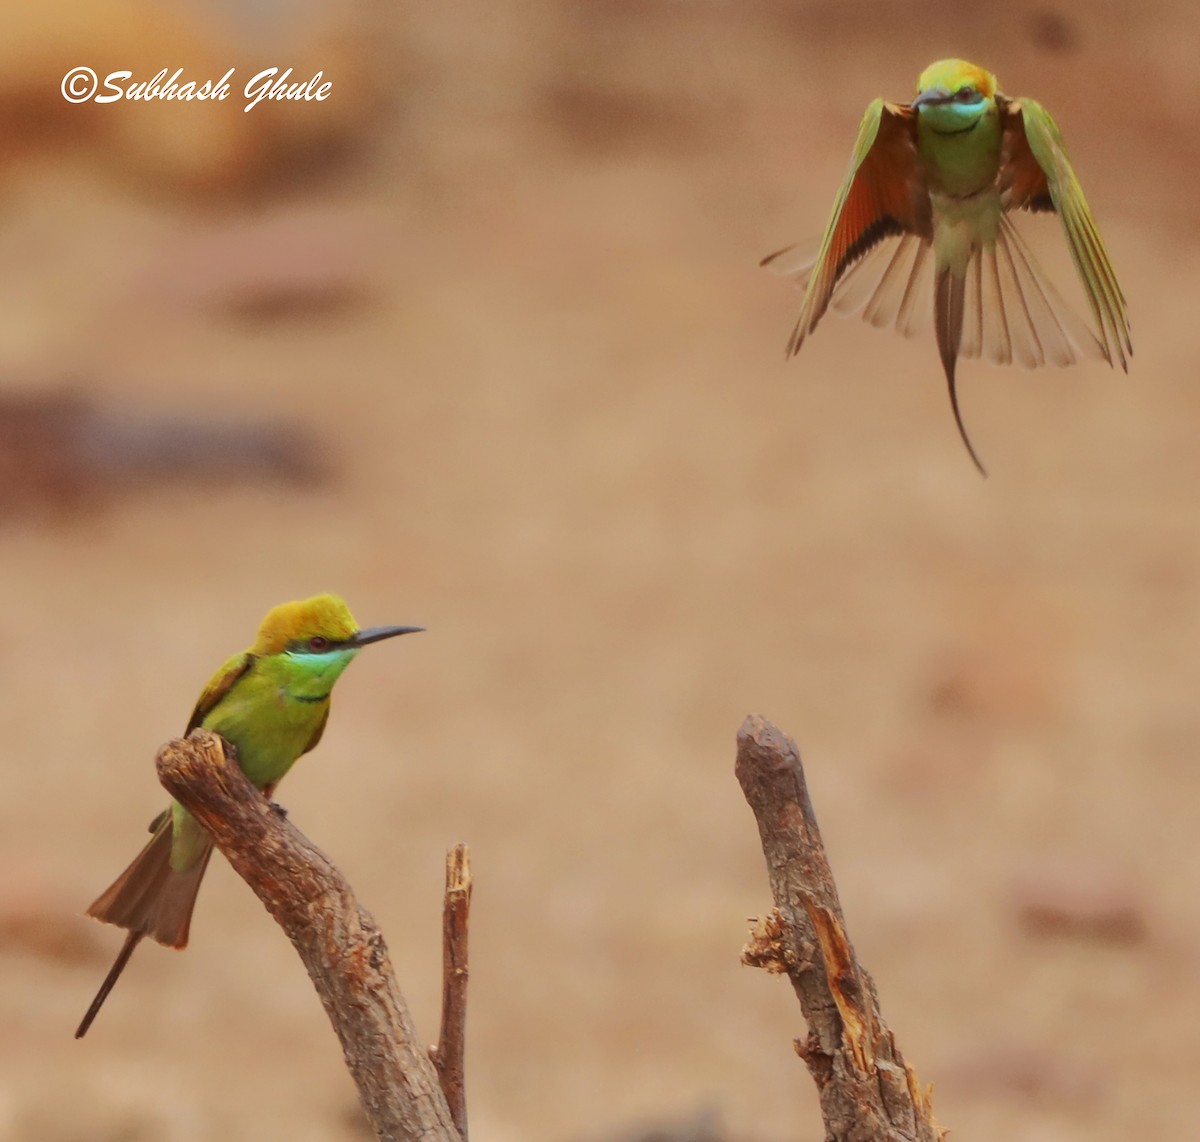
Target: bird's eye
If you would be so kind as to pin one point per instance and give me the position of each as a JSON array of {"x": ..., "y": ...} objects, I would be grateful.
[
  {"x": 318, "y": 642},
  {"x": 965, "y": 94}
]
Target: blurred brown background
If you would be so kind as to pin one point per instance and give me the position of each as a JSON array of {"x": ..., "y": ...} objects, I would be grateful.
[{"x": 481, "y": 343}]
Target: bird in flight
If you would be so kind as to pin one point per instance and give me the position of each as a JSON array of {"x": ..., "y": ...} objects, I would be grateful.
[{"x": 941, "y": 176}]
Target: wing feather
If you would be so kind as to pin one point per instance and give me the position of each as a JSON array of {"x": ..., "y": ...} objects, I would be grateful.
[
  {"x": 883, "y": 195},
  {"x": 218, "y": 686},
  {"x": 1013, "y": 313},
  {"x": 893, "y": 301},
  {"x": 1037, "y": 175},
  {"x": 883, "y": 286}
]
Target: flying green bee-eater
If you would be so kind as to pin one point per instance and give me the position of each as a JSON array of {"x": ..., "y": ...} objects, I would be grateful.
[
  {"x": 271, "y": 702},
  {"x": 942, "y": 175}
]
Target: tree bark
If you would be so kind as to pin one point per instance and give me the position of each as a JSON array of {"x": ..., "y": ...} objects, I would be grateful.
[
  {"x": 868, "y": 1093},
  {"x": 339, "y": 942},
  {"x": 452, "y": 1039}
]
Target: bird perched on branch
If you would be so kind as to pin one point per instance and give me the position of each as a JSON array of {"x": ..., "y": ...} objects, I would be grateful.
[
  {"x": 931, "y": 187},
  {"x": 271, "y": 703}
]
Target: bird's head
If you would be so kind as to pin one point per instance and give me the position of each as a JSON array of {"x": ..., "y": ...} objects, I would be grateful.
[
  {"x": 953, "y": 95},
  {"x": 318, "y": 636}
]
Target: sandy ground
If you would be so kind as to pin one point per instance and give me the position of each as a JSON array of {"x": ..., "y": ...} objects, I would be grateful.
[{"x": 566, "y": 441}]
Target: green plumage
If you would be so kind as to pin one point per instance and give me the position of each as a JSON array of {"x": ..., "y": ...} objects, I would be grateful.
[
  {"x": 940, "y": 176},
  {"x": 272, "y": 710},
  {"x": 270, "y": 703}
]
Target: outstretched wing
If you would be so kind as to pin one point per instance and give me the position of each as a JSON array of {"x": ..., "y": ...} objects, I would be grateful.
[
  {"x": 1012, "y": 312},
  {"x": 218, "y": 686},
  {"x": 1035, "y": 174},
  {"x": 884, "y": 194}
]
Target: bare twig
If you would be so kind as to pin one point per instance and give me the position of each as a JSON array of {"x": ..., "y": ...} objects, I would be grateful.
[
  {"x": 868, "y": 1092},
  {"x": 340, "y": 944},
  {"x": 448, "y": 1054}
]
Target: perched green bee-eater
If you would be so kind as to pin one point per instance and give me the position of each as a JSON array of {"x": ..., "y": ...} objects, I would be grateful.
[
  {"x": 942, "y": 174},
  {"x": 271, "y": 702}
]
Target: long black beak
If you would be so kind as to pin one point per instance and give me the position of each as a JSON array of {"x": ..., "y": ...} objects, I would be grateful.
[
  {"x": 378, "y": 634},
  {"x": 932, "y": 95}
]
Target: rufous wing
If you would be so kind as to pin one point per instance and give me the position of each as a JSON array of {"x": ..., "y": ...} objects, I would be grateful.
[{"x": 884, "y": 194}]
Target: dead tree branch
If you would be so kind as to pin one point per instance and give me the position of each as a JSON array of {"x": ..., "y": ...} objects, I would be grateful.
[
  {"x": 868, "y": 1092},
  {"x": 340, "y": 944},
  {"x": 448, "y": 1054}
]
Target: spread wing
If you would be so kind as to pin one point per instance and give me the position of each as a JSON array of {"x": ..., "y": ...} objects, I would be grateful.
[
  {"x": 1035, "y": 174},
  {"x": 884, "y": 195},
  {"x": 218, "y": 686}
]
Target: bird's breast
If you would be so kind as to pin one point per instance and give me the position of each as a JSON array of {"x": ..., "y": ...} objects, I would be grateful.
[
  {"x": 268, "y": 728},
  {"x": 960, "y": 162},
  {"x": 963, "y": 225}
]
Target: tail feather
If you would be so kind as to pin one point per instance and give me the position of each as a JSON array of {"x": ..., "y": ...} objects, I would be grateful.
[
  {"x": 114, "y": 973},
  {"x": 949, "y": 295},
  {"x": 149, "y": 898}
]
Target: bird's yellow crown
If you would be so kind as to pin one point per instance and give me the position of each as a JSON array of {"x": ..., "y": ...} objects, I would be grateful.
[
  {"x": 325, "y": 615},
  {"x": 951, "y": 74}
]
